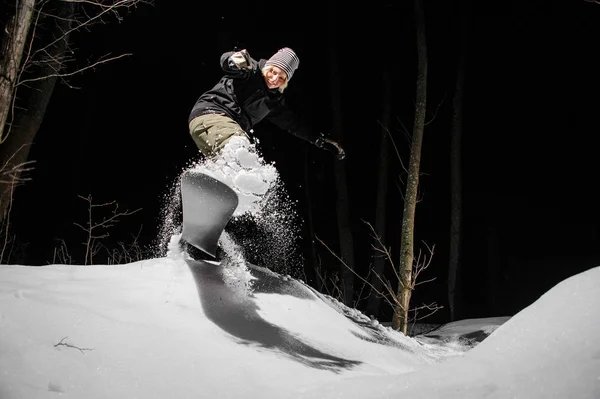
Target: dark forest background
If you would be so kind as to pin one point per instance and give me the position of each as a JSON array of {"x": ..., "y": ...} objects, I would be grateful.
[{"x": 530, "y": 121}]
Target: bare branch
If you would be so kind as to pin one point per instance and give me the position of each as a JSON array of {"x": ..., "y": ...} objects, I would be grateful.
[
  {"x": 436, "y": 110},
  {"x": 382, "y": 248},
  {"x": 344, "y": 263},
  {"x": 62, "y": 343},
  {"x": 432, "y": 308},
  {"x": 127, "y": 253},
  {"x": 323, "y": 282},
  {"x": 422, "y": 265},
  {"x": 392, "y": 302},
  {"x": 423, "y": 282},
  {"x": 91, "y": 246},
  {"x": 395, "y": 147},
  {"x": 43, "y": 56},
  {"x": 62, "y": 75},
  {"x": 90, "y": 20},
  {"x": 12, "y": 176},
  {"x": 61, "y": 254}
]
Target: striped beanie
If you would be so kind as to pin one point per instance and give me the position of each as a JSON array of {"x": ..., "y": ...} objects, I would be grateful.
[{"x": 285, "y": 59}]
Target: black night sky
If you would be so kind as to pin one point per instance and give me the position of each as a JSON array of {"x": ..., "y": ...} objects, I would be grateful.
[{"x": 530, "y": 169}]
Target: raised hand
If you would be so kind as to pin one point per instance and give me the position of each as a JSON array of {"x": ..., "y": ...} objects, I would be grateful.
[{"x": 242, "y": 59}]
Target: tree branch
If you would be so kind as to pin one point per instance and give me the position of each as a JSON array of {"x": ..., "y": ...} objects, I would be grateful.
[
  {"x": 62, "y": 343},
  {"x": 62, "y": 75}
]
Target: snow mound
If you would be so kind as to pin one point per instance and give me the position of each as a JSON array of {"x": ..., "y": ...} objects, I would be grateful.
[{"x": 548, "y": 350}]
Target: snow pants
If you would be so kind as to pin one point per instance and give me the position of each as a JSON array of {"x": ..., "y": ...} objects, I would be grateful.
[{"x": 211, "y": 131}]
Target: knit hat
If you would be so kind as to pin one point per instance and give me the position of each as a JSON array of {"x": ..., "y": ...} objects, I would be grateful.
[{"x": 285, "y": 59}]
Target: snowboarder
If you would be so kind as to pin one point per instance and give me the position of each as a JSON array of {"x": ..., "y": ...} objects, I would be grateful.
[{"x": 249, "y": 92}]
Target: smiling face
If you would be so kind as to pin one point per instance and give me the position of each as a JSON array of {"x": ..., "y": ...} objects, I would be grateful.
[{"x": 275, "y": 77}]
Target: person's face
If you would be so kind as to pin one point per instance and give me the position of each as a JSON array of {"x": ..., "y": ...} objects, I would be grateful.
[{"x": 275, "y": 78}]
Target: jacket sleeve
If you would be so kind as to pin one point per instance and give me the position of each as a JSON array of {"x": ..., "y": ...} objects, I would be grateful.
[
  {"x": 286, "y": 120},
  {"x": 231, "y": 69}
]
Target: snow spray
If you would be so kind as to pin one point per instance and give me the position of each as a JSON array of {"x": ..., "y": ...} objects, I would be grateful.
[{"x": 265, "y": 224}]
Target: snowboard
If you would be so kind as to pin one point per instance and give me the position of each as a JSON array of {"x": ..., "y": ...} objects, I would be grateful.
[{"x": 207, "y": 206}]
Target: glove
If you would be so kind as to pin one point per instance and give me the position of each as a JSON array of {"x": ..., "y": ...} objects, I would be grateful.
[
  {"x": 242, "y": 59},
  {"x": 330, "y": 145}
]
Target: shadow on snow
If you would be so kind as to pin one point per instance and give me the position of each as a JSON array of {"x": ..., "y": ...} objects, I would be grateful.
[{"x": 238, "y": 315}]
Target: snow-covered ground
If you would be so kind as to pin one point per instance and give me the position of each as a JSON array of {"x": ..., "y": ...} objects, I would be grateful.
[{"x": 173, "y": 327}]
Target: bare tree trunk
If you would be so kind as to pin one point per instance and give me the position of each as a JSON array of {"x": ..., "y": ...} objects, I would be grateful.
[
  {"x": 13, "y": 47},
  {"x": 342, "y": 203},
  {"x": 455, "y": 173},
  {"x": 15, "y": 149},
  {"x": 400, "y": 318},
  {"x": 381, "y": 202},
  {"x": 42, "y": 57}
]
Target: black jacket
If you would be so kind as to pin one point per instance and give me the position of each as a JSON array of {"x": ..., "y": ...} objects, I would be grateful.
[{"x": 243, "y": 95}]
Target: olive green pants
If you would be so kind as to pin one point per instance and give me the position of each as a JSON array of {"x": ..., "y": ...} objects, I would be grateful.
[{"x": 212, "y": 131}]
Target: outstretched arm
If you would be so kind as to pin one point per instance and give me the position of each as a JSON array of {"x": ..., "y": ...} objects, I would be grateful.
[{"x": 286, "y": 120}]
